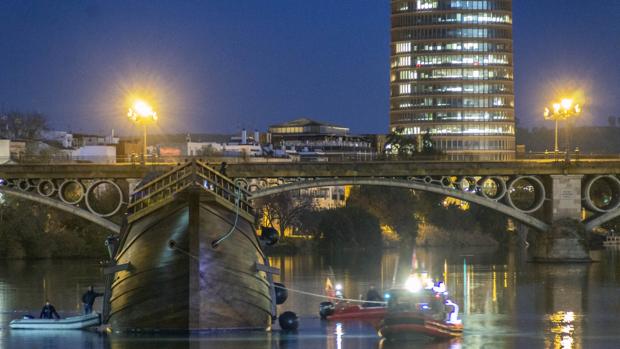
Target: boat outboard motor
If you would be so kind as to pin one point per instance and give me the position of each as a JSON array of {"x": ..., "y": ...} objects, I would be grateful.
[
  {"x": 269, "y": 235},
  {"x": 281, "y": 293},
  {"x": 111, "y": 242},
  {"x": 326, "y": 309},
  {"x": 288, "y": 321}
]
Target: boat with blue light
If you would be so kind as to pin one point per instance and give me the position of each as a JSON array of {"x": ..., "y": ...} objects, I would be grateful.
[{"x": 421, "y": 308}]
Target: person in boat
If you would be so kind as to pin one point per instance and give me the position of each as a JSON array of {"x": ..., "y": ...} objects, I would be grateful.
[
  {"x": 89, "y": 299},
  {"x": 373, "y": 296},
  {"x": 48, "y": 311}
]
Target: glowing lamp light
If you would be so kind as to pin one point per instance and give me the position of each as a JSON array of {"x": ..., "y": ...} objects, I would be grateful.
[
  {"x": 338, "y": 287},
  {"x": 567, "y": 103},
  {"x": 141, "y": 112},
  {"x": 413, "y": 284},
  {"x": 556, "y": 107},
  {"x": 386, "y": 296}
]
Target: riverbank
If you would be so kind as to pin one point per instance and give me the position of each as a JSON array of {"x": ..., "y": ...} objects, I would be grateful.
[{"x": 433, "y": 236}]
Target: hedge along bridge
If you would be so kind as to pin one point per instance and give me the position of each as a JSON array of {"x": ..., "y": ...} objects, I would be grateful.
[{"x": 536, "y": 193}]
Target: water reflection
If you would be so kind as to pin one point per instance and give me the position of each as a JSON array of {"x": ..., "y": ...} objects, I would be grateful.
[
  {"x": 562, "y": 329},
  {"x": 505, "y": 301}
]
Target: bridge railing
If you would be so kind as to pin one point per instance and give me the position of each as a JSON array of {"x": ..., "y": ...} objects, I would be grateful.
[
  {"x": 189, "y": 174},
  {"x": 350, "y": 157}
]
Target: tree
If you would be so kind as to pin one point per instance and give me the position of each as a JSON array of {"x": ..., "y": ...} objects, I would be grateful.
[
  {"x": 427, "y": 143},
  {"x": 395, "y": 207},
  {"x": 283, "y": 211},
  {"x": 399, "y": 144},
  {"x": 19, "y": 125},
  {"x": 29, "y": 230},
  {"x": 348, "y": 227}
]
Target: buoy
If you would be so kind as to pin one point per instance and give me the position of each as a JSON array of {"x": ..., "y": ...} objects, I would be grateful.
[
  {"x": 269, "y": 235},
  {"x": 288, "y": 321},
  {"x": 281, "y": 293},
  {"x": 326, "y": 309}
]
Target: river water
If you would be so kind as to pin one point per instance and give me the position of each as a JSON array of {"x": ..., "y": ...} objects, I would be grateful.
[{"x": 505, "y": 302}]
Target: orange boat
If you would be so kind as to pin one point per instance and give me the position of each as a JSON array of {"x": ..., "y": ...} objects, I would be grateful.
[
  {"x": 425, "y": 312},
  {"x": 344, "y": 312}
]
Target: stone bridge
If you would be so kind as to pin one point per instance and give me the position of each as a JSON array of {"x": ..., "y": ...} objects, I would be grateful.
[{"x": 536, "y": 193}]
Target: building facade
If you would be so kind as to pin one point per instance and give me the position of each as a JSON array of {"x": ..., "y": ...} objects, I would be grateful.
[
  {"x": 451, "y": 75},
  {"x": 311, "y": 140}
]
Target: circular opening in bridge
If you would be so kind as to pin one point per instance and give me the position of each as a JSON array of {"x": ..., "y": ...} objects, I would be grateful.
[
  {"x": 526, "y": 194},
  {"x": 46, "y": 188},
  {"x": 71, "y": 192},
  {"x": 493, "y": 188},
  {"x": 23, "y": 185},
  {"x": 446, "y": 181},
  {"x": 467, "y": 184},
  {"x": 603, "y": 193},
  {"x": 104, "y": 198}
]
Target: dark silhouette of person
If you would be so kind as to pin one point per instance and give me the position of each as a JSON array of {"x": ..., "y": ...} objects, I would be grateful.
[
  {"x": 89, "y": 299},
  {"x": 223, "y": 168},
  {"x": 48, "y": 311},
  {"x": 373, "y": 296}
]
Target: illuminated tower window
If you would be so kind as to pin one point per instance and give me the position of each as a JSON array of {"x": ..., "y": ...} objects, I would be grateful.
[{"x": 452, "y": 75}]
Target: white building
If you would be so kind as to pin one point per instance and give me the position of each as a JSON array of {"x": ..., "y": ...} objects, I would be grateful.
[
  {"x": 63, "y": 138},
  {"x": 102, "y": 154},
  {"x": 203, "y": 148},
  {"x": 5, "y": 153}
]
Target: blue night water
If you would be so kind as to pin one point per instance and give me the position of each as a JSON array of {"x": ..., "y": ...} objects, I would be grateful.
[{"x": 505, "y": 302}]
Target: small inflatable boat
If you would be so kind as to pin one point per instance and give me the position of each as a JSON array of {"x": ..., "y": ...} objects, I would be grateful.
[{"x": 70, "y": 323}]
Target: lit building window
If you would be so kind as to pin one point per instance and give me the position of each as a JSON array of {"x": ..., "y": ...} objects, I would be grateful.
[
  {"x": 427, "y": 4},
  {"x": 405, "y": 89},
  {"x": 403, "y": 47}
]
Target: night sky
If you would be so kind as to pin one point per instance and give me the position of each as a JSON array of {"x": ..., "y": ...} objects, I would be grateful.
[{"x": 221, "y": 65}]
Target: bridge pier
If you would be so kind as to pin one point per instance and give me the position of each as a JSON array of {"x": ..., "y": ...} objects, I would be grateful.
[{"x": 564, "y": 241}]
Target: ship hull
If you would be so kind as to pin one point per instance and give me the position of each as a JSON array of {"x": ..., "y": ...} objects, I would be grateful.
[{"x": 176, "y": 280}]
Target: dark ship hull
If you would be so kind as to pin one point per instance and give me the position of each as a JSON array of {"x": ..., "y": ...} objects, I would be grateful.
[{"x": 175, "y": 279}]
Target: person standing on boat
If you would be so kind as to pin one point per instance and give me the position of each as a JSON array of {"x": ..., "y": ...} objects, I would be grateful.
[
  {"x": 48, "y": 311},
  {"x": 89, "y": 299},
  {"x": 373, "y": 296}
]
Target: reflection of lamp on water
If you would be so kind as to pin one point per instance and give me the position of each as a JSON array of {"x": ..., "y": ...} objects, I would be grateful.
[
  {"x": 339, "y": 333},
  {"x": 563, "y": 329}
]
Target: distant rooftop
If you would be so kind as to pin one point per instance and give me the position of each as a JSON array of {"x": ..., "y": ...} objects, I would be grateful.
[{"x": 301, "y": 122}]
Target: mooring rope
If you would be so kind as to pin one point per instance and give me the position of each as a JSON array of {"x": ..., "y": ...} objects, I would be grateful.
[
  {"x": 232, "y": 229},
  {"x": 173, "y": 246},
  {"x": 328, "y": 297}
]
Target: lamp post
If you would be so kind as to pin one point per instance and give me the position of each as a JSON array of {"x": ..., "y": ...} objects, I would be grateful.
[
  {"x": 143, "y": 114},
  {"x": 561, "y": 111}
]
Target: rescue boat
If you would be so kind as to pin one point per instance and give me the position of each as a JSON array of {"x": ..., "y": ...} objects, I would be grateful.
[{"x": 426, "y": 312}]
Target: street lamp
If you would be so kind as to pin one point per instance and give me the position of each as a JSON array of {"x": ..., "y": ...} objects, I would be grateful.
[
  {"x": 142, "y": 113},
  {"x": 561, "y": 111}
]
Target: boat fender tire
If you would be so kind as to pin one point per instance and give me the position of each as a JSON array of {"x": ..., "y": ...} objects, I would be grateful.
[
  {"x": 326, "y": 309},
  {"x": 281, "y": 293},
  {"x": 269, "y": 235},
  {"x": 288, "y": 321}
]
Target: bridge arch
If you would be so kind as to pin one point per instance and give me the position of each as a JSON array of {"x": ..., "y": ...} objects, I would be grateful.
[
  {"x": 74, "y": 210},
  {"x": 602, "y": 219},
  {"x": 518, "y": 215}
]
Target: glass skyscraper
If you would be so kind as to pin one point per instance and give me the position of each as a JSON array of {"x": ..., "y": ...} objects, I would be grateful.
[{"x": 452, "y": 75}]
